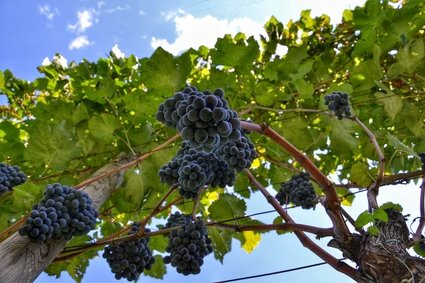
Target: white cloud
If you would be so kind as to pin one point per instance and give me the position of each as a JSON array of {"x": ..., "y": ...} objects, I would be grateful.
[
  {"x": 60, "y": 60},
  {"x": 169, "y": 15},
  {"x": 141, "y": 12},
  {"x": 100, "y": 4},
  {"x": 79, "y": 42},
  {"x": 117, "y": 52},
  {"x": 194, "y": 32},
  {"x": 117, "y": 8},
  {"x": 85, "y": 20},
  {"x": 46, "y": 62},
  {"x": 45, "y": 10}
]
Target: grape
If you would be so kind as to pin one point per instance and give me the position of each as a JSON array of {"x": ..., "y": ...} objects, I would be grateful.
[
  {"x": 298, "y": 190},
  {"x": 237, "y": 154},
  {"x": 223, "y": 175},
  {"x": 129, "y": 259},
  {"x": 187, "y": 244},
  {"x": 10, "y": 176},
  {"x": 339, "y": 103},
  {"x": 200, "y": 117},
  {"x": 63, "y": 213}
]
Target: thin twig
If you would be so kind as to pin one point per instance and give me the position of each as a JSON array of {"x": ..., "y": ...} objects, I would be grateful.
[
  {"x": 195, "y": 204},
  {"x": 143, "y": 157},
  {"x": 156, "y": 209},
  {"x": 375, "y": 186}
]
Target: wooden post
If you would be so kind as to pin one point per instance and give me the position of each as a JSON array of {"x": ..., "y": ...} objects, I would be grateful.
[{"x": 22, "y": 260}]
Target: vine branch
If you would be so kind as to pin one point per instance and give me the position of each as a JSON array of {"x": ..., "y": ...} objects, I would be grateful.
[{"x": 306, "y": 241}]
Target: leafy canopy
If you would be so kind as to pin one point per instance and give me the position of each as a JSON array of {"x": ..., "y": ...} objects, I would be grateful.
[{"x": 74, "y": 119}]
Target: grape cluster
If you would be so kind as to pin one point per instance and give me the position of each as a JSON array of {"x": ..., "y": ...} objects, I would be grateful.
[
  {"x": 187, "y": 245},
  {"x": 10, "y": 176},
  {"x": 223, "y": 175},
  {"x": 298, "y": 191},
  {"x": 422, "y": 157},
  {"x": 63, "y": 213},
  {"x": 339, "y": 103},
  {"x": 169, "y": 173},
  {"x": 178, "y": 219},
  {"x": 214, "y": 147},
  {"x": 128, "y": 259},
  {"x": 195, "y": 172},
  {"x": 192, "y": 170},
  {"x": 238, "y": 154},
  {"x": 202, "y": 118}
]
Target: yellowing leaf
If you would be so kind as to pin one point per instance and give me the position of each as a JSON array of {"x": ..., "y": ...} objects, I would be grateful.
[
  {"x": 251, "y": 241},
  {"x": 256, "y": 163}
]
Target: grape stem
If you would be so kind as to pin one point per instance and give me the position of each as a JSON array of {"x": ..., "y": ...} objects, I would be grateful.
[
  {"x": 195, "y": 204},
  {"x": 155, "y": 210},
  {"x": 306, "y": 241}
]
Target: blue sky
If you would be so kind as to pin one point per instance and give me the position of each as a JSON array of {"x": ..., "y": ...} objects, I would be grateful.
[{"x": 34, "y": 30}]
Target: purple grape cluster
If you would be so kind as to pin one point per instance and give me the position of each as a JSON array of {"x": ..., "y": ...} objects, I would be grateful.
[
  {"x": 298, "y": 190},
  {"x": 130, "y": 258},
  {"x": 10, "y": 176},
  {"x": 62, "y": 214},
  {"x": 188, "y": 244}
]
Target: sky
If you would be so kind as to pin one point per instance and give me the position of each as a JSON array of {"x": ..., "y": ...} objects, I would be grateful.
[{"x": 34, "y": 30}]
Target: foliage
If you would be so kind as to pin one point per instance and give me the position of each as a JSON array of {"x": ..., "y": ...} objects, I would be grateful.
[{"x": 73, "y": 119}]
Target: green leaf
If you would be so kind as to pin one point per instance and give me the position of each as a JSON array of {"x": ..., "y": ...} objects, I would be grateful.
[
  {"x": 392, "y": 103},
  {"x": 158, "y": 269},
  {"x": 135, "y": 189},
  {"x": 399, "y": 145},
  {"x": 227, "y": 207},
  {"x": 25, "y": 195},
  {"x": 80, "y": 114},
  {"x": 360, "y": 174},
  {"x": 380, "y": 214},
  {"x": 363, "y": 219},
  {"x": 345, "y": 87},
  {"x": 373, "y": 230},
  {"x": 221, "y": 241},
  {"x": 305, "y": 89},
  {"x": 265, "y": 94},
  {"x": 103, "y": 127},
  {"x": 279, "y": 220},
  {"x": 238, "y": 55},
  {"x": 51, "y": 145},
  {"x": 389, "y": 205},
  {"x": 163, "y": 74},
  {"x": 365, "y": 43},
  {"x": 420, "y": 251},
  {"x": 158, "y": 243}
]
